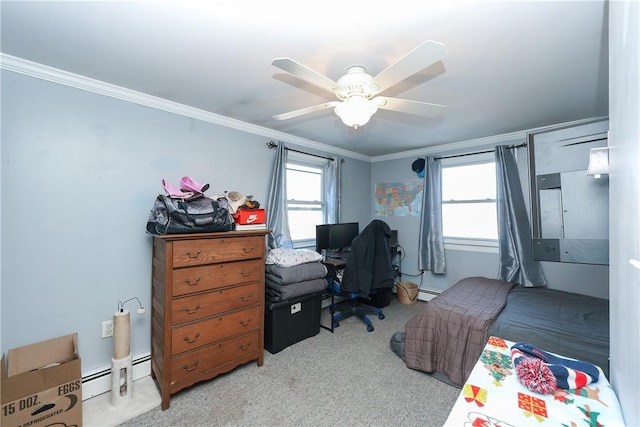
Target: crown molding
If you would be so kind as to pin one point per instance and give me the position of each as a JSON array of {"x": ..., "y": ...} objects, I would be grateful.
[
  {"x": 455, "y": 146},
  {"x": 54, "y": 75},
  {"x": 488, "y": 141}
]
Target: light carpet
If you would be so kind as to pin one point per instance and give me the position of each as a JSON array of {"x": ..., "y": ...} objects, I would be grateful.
[{"x": 347, "y": 378}]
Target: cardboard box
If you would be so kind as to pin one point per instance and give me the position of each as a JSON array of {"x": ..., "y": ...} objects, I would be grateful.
[
  {"x": 42, "y": 384},
  {"x": 245, "y": 216}
]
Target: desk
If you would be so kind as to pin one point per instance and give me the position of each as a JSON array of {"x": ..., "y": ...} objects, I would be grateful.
[{"x": 333, "y": 265}]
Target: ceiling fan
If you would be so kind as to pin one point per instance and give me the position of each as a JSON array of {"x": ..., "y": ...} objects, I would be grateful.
[{"x": 357, "y": 91}]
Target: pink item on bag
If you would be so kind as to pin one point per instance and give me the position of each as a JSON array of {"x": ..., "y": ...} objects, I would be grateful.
[
  {"x": 188, "y": 184},
  {"x": 174, "y": 192}
]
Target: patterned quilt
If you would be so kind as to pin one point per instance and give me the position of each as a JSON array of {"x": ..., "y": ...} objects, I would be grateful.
[{"x": 493, "y": 397}]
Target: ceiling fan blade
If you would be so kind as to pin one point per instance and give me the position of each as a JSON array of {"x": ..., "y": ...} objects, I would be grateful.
[
  {"x": 406, "y": 106},
  {"x": 307, "y": 110},
  {"x": 305, "y": 73},
  {"x": 415, "y": 61}
]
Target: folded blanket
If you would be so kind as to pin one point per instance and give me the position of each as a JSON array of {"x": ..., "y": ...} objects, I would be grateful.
[
  {"x": 287, "y": 257},
  {"x": 277, "y": 292},
  {"x": 450, "y": 332},
  {"x": 296, "y": 273}
]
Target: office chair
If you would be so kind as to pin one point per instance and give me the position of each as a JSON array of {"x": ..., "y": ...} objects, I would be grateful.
[
  {"x": 368, "y": 271},
  {"x": 352, "y": 305}
]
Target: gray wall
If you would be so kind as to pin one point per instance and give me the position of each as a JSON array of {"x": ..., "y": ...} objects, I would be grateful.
[
  {"x": 80, "y": 172},
  {"x": 356, "y": 192},
  {"x": 580, "y": 278},
  {"x": 407, "y": 226}
]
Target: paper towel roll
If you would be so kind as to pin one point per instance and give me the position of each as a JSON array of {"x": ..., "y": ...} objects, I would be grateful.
[{"x": 121, "y": 334}]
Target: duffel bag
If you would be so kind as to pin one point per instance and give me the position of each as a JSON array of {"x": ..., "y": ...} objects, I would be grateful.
[{"x": 197, "y": 215}]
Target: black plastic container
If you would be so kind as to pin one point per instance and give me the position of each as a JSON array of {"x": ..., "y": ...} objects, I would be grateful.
[{"x": 291, "y": 321}]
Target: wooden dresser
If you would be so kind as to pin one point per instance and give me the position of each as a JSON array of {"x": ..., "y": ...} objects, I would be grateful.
[{"x": 207, "y": 306}]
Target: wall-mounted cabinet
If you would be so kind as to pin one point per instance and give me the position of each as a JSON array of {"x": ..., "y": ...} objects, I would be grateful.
[{"x": 570, "y": 210}]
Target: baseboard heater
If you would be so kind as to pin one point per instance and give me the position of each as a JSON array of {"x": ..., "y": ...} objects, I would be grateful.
[
  {"x": 427, "y": 294},
  {"x": 98, "y": 381}
]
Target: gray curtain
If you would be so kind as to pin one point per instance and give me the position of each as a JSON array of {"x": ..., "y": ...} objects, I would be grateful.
[
  {"x": 277, "y": 219},
  {"x": 332, "y": 176},
  {"x": 431, "y": 240},
  {"x": 514, "y": 233}
]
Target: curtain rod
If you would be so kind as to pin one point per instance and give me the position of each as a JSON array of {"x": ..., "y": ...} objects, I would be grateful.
[
  {"x": 524, "y": 144},
  {"x": 272, "y": 145}
]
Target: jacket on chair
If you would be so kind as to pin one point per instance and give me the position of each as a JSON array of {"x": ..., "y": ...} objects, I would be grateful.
[{"x": 369, "y": 262}]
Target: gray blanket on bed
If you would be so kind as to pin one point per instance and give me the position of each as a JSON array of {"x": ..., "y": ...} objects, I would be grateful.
[
  {"x": 295, "y": 274},
  {"x": 276, "y": 292},
  {"x": 566, "y": 323},
  {"x": 448, "y": 335}
]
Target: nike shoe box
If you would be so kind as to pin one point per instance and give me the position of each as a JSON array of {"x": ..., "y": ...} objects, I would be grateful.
[{"x": 250, "y": 216}]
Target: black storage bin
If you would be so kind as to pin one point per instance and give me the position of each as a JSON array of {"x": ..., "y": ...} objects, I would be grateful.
[{"x": 291, "y": 321}]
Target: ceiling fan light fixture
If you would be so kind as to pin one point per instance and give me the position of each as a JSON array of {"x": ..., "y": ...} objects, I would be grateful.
[
  {"x": 356, "y": 111},
  {"x": 358, "y": 92}
]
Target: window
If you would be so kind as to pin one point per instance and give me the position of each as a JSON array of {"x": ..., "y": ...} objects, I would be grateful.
[
  {"x": 306, "y": 206},
  {"x": 469, "y": 201}
]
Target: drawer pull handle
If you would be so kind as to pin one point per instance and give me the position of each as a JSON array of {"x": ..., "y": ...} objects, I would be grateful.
[
  {"x": 249, "y": 250},
  {"x": 198, "y": 252},
  {"x": 192, "y": 367},
  {"x": 247, "y": 273},
  {"x": 244, "y": 347},
  {"x": 190, "y": 283},
  {"x": 193, "y": 340},
  {"x": 245, "y": 323},
  {"x": 247, "y": 298},
  {"x": 190, "y": 311}
]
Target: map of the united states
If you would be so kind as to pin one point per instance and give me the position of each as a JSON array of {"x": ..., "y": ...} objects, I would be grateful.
[{"x": 398, "y": 198}]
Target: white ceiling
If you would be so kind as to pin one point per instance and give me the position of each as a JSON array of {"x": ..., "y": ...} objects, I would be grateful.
[{"x": 511, "y": 65}]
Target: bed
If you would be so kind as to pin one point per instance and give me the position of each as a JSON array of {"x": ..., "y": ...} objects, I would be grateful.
[
  {"x": 448, "y": 335},
  {"x": 494, "y": 396}
]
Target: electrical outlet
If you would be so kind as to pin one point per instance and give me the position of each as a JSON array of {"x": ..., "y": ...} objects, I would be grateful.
[{"x": 107, "y": 328}]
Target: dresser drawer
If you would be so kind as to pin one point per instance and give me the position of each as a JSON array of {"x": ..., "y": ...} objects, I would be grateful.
[
  {"x": 198, "y": 279},
  {"x": 198, "y": 306},
  {"x": 197, "y": 362},
  {"x": 209, "y": 251},
  {"x": 194, "y": 335}
]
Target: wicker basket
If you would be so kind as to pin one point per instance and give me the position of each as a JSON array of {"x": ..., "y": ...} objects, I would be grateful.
[{"x": 407, "y": 292}]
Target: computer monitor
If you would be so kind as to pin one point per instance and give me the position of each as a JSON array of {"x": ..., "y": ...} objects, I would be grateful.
[
  {"x": 341, "y": 235},
  {"x": 322, "y": 237},
  {"x": 336, "y": 237}
]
